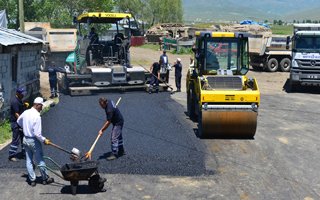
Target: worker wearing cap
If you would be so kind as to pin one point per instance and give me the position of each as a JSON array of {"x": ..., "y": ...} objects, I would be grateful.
[
  {"x": 30, "y": 120},
  {"x": 53, "y": 81},
  {"x": 16, "y": 109},
  {"x": 155, "y": 76},
  {"x": 164, "y": 61},
  {"x": 115, "y": 118},
  {"x": 178, "y": 73}
]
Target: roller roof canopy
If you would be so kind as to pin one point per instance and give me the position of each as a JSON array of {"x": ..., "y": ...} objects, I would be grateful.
[{"x": 102, "y": 17}]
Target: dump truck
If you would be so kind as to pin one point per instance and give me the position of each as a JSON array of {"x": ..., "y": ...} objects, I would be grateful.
[
  {"x": 268, "y": 52},
  {"x": 305, "y": 68},
  {"x": 59, "y": 42},
  {"x": 104, "y": 63},
  {"x": 220, "y": 96}
]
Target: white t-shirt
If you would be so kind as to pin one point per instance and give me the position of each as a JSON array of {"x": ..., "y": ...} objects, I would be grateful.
[{"x": 30, "y": 121}]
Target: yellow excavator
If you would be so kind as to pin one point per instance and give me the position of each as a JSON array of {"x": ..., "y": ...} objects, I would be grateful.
[{"x": 220, "y": 96}]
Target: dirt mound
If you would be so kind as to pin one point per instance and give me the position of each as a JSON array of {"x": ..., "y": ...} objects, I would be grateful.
[{"x": 253, "y": 29}]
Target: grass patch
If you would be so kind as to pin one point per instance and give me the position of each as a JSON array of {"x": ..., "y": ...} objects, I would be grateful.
[
  {"x": 183, "y": 51},
  {"x": 154, "y": 47},
  {"x": 5, "y": 131},
  {"x": 282, "y": 29}
]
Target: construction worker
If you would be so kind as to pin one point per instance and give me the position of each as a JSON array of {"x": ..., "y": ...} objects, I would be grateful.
[
  {"x": 93, "y": 36},
  {"x": 115, "y": 118},
  {"x": 53, "y": 81},
  {"x": 155, "y": 76},
  {"x": 30, "y": 120},
  {"x": 178, "y": 73},
  {"x": 16, "y": 109},
  {"x": 164, "y": 62}
]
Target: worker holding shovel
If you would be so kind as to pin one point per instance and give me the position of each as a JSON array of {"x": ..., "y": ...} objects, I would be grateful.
[{"x": 115, "y": 118}]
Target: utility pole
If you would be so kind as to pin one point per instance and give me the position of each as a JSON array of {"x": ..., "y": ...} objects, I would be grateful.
[{"x": 21, "y": 16}]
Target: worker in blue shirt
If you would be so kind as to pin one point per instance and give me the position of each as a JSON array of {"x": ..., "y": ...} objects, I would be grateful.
[
  {"x": 16, "y": 109},
  {"x": 115, "y": 118},
  {"x": 178, "y": 73},
  {"x": 53, "y": 81}
]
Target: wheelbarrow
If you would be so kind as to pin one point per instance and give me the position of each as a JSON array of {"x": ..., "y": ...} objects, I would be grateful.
[{"x": 79, "y": 171}]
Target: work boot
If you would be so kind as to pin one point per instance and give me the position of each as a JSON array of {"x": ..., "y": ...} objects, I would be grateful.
[
  {"x": 13, "y": 159},
  {"x": 33, "y": 183},
  {"x": 48, "y": 181},
  {"x": 121, "y": 152},
  {"x": 112, "y": 157}
]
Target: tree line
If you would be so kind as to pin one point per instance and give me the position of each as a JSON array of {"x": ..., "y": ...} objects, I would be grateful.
[{"x": 60, "y": 12}]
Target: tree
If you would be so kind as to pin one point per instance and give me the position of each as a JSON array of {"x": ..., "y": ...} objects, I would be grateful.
[
  {"x": 58, "y": 12},
  {"x": 153, "y": 11}
]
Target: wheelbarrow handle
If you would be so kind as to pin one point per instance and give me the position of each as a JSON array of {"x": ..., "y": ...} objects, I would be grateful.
[{"x": 50, "y": 169}]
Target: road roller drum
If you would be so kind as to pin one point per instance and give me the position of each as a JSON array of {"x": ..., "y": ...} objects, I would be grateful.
[{"x": 227, "y": 124}]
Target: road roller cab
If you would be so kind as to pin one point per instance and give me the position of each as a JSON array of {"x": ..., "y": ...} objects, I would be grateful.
[{"x": 219, "y": 96}]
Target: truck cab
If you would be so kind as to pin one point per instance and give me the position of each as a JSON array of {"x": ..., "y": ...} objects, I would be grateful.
[{"x": 305, "y": 69}]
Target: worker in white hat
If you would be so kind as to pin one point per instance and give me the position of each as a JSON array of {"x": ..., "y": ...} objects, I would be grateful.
[
  {"x": 30, "y": 121},
  {"x": 178, "y": 73}
]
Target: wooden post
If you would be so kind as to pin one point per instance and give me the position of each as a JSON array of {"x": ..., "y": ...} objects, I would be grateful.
[{"x": 21, "y": 16}]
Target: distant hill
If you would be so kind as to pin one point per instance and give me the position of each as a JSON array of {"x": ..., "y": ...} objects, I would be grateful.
[{"x": 259, "y": 10}]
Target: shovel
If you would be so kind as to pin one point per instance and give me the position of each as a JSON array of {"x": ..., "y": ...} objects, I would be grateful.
[
  {"x": 88, "y": 154},
  {"x": 75, "y": 152}
]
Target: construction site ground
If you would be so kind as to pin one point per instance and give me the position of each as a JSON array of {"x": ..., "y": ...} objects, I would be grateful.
[{"x": 166, "y": 160}]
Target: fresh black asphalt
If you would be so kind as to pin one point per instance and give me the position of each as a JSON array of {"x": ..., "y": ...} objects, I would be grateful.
[{"x": 157, "y": 139}]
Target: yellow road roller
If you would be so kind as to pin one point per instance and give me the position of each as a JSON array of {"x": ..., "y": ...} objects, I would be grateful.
[{"x": 220, "y": 96}]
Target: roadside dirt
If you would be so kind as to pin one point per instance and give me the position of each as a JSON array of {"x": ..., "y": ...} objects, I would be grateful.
[{"x": 268, "y": 82}]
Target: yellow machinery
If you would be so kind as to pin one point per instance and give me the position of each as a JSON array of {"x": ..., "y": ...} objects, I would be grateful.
[{"x": 219, "y": 95}]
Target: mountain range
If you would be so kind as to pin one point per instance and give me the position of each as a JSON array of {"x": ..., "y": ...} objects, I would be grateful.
[{"x": 258, "y": 10}]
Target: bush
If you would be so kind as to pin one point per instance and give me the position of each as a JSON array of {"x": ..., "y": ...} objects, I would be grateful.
[
  {"x": 183, "y": 50},
  {"x": 5, "y": 131}
]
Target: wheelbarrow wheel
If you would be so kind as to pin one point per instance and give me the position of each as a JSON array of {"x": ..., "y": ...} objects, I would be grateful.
[
  {"x": 96, "y": 183},
  {"x": 74, "y": 185}
]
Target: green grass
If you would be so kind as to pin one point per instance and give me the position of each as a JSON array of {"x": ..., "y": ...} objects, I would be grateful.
[
  {"x": 154, "y": 47},
  {"x": 282, "y": 29},
  {"x": 5, "y": 131}
]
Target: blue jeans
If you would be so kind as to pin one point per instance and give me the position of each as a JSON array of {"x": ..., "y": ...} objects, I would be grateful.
[{"x": 33, "y": 147}]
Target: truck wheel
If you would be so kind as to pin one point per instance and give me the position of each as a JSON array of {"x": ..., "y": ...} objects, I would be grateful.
[
  {"x": 272, "y": 65},
  {"x": 292, "y": 86},
  {"x": 285, "y": 65},
  {"x": 43, "y": 67}
]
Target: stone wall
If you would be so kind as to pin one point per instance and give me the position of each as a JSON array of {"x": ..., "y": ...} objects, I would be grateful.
[{"x": 27, "y": 59}]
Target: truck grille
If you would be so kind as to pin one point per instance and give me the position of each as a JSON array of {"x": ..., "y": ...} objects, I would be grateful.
[
  {"x": 309, "y": 63},
  {"x": 224, "y": 82}
]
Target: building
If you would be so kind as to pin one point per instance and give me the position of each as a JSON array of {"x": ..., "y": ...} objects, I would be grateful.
[{"x": 20, "y": 57}]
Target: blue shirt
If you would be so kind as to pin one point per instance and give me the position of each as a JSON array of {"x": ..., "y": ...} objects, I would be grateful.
[
  {"x": 113, "y": 114},
  {"x": 16, "y": 106}
]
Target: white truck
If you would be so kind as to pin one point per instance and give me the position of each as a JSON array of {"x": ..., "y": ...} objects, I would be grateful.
[
  {"x": 305, "y": 68},
  {"x": 269, "y": 52},
  {"x": 59, "y": 42}
]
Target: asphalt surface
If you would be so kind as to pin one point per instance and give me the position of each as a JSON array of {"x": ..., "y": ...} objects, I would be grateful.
[{"x": 165, "y": 159}]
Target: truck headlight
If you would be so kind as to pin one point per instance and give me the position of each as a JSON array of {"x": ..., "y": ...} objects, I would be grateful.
[{"x": 295, "y": 63}]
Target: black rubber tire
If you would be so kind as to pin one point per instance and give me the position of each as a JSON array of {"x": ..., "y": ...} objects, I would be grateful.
[
  {"x": 272, "y": 65},
  {"x": 43, "y": 67},
  {"x": 190, "y": 103},
  {"x": 292, "y": 86},
  {"x": 285, "y": 65}
]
